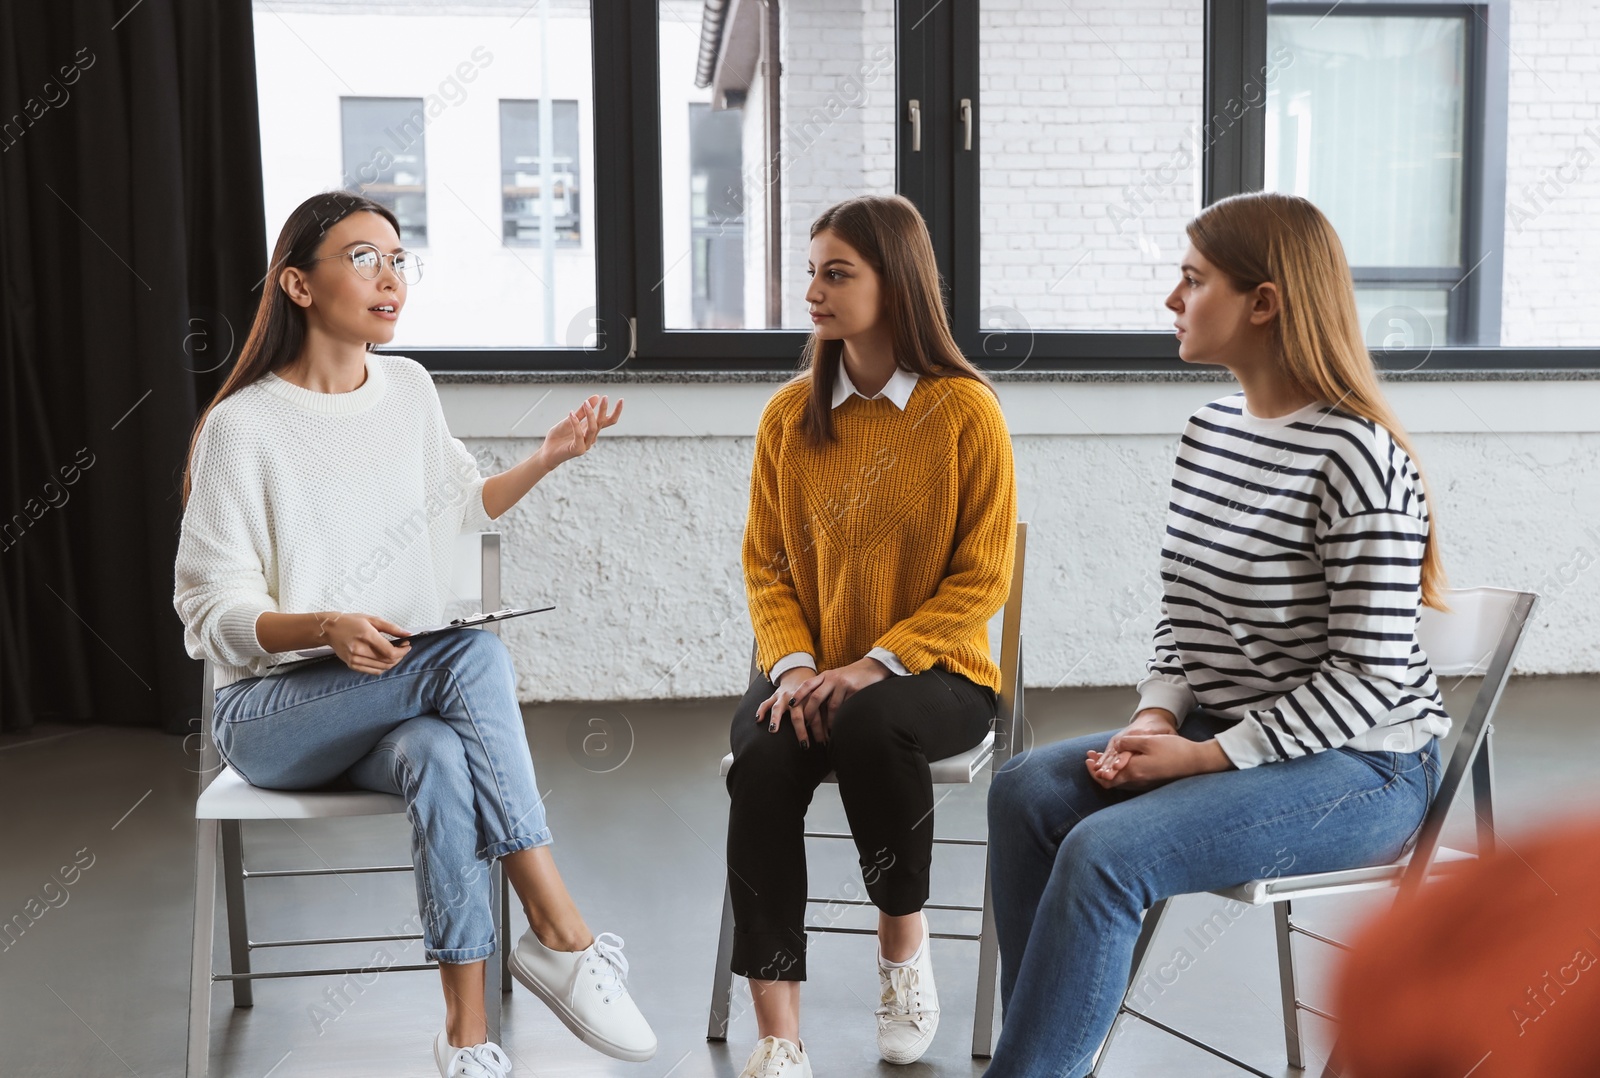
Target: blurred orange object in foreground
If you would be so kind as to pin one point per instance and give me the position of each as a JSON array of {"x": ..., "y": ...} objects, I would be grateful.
[{"x": 1492, "y": 972}]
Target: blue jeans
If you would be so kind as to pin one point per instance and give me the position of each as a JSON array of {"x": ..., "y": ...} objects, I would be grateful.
[
  {"x": 441, "y": 728},
  {"x": 1074, "y": 867}
]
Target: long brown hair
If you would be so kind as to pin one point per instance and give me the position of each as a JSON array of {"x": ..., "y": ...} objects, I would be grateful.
[
  {"x": 1266, "y": 236},
  {"x": 889, "y": 234},
  {"x": 279, "y": 330}
]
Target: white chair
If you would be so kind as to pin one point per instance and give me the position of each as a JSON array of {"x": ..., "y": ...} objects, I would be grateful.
[
  {"x": 226, "y": 801},
  {"x": 963, "y": 769},
  {"x": 1480, "y": 635}
]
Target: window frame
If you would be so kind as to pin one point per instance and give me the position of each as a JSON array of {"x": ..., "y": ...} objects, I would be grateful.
[{"x": 936, "y": 62}]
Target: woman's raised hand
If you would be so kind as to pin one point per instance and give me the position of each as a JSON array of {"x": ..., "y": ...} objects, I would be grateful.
[
  {"x": 575, "y": 435},
  {"x": 358, "y": 640}
]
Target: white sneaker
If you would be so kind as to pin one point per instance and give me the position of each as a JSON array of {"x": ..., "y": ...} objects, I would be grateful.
[
  {"x": 775, "y": 1057},
  {"x": 909, "y": 1014},
  {"x": 485, "y": 1060},
  {"x": 588, "y": 992}
]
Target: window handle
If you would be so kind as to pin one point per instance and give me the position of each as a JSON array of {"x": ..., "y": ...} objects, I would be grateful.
[
  {"x": 915, "y": 110},
  {"x": 966, "y": 123}
]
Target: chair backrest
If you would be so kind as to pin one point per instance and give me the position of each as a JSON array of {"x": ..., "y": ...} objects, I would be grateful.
[
  {"x": 475, "y": 571},
  {"x": 1009, "y": 709},
  {"x": 1479, "y": 635},
  {"x": 1461, "y": 641},
  {"x": 474, "y": 581}
]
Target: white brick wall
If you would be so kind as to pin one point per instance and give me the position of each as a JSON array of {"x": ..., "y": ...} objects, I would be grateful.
[
  {"x": 1061, "y": 148},
  {"x": 1552, "y": 175},
  {"x": 1084, "y": 109}
]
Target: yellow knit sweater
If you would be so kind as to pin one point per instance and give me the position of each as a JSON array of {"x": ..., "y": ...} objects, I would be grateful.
[{"x": 899, "y": 535}]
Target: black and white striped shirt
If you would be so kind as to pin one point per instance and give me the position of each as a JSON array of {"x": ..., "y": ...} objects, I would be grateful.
[{"x": 1291, "y": 586}]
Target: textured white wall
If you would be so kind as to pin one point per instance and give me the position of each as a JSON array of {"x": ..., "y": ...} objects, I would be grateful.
[{"x": 638, "y": 542}]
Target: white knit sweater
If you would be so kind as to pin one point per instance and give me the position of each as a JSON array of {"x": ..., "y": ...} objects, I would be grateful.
[{"x": 303, "y": 501}]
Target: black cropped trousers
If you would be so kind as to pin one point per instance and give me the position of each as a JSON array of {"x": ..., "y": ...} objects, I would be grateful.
[{"x": 879, "y": 746}]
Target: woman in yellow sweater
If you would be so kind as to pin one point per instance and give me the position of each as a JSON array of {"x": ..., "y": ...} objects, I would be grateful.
[{"x": 879, "y": 545}]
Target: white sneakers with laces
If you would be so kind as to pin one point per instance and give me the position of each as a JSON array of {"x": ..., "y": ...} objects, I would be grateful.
[
  {"x": 909, "y": 1011},
  {"x": 486, "y": 1060},
  {"x": 775, "y": 1057},
  {"x": 588, "y": 991}
]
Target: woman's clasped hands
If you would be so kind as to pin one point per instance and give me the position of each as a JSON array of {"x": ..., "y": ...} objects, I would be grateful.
[
  {"x": 809, "y": 700},
  {"x": 1149, "y": 752}
]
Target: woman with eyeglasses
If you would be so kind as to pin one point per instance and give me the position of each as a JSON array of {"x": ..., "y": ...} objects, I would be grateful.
[{"x": 322, "y": 498}]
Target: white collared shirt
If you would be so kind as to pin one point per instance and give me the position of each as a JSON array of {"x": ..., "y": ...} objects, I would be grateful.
[{"x": 898, "y": 389}]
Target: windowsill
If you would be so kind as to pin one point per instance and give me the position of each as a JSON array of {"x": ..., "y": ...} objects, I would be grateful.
[
  {"x": 711, "y": 375},
  {"x": 728, "y": 403}
]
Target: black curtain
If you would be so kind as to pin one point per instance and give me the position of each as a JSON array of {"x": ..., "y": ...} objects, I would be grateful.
[{"x": 132, "y": 236}]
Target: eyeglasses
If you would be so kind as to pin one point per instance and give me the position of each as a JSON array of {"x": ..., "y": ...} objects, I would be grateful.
[{"x": 367, "y": 260}]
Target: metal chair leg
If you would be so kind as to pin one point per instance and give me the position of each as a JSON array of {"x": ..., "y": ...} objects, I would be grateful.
[
  {"x": 1293, "y": 1035},
  {"x": 493, "y": 1001},
  {"x": 988, "y": 966},
  {"x": 722, "y": 976},
  {"x": 238, "y": 920},
  {"x": 506, "y": 943},
  {"x": 1483, "y": 793},
  {"x": 1141, "y": 948},
  {"x": 205, "y": 924}
]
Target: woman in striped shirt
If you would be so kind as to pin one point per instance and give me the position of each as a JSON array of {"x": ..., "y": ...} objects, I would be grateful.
[{"x": 1288, "y": 720}]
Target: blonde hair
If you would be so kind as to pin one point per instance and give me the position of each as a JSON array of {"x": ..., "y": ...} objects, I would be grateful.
[{"x": 1284, "y": 239}]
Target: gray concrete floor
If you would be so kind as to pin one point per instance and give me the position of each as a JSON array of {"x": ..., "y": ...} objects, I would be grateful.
[{"x": 98, "y": 985}]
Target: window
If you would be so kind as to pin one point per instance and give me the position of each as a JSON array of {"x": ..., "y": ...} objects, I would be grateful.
[
  {"x": 1368, "y": 118},
  {"x": 1453, "y": 147},
  {"x": 432, "y": 109},
  {"x": 1056, "y": 151},
  {"x": 822, "y": 131},
  {"x": 523, "y": 166},
  {"x": 383, "y": 158}
]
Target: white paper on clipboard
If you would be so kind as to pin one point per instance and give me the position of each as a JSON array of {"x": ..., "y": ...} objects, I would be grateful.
[{"x": 468, "y": 622}]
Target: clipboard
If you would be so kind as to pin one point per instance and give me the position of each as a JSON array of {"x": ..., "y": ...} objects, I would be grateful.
[{"x": 469, "y": 622}]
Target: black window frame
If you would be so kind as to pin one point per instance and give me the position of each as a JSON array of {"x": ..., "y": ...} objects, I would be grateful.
[{"x": 936, "y": 63}]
